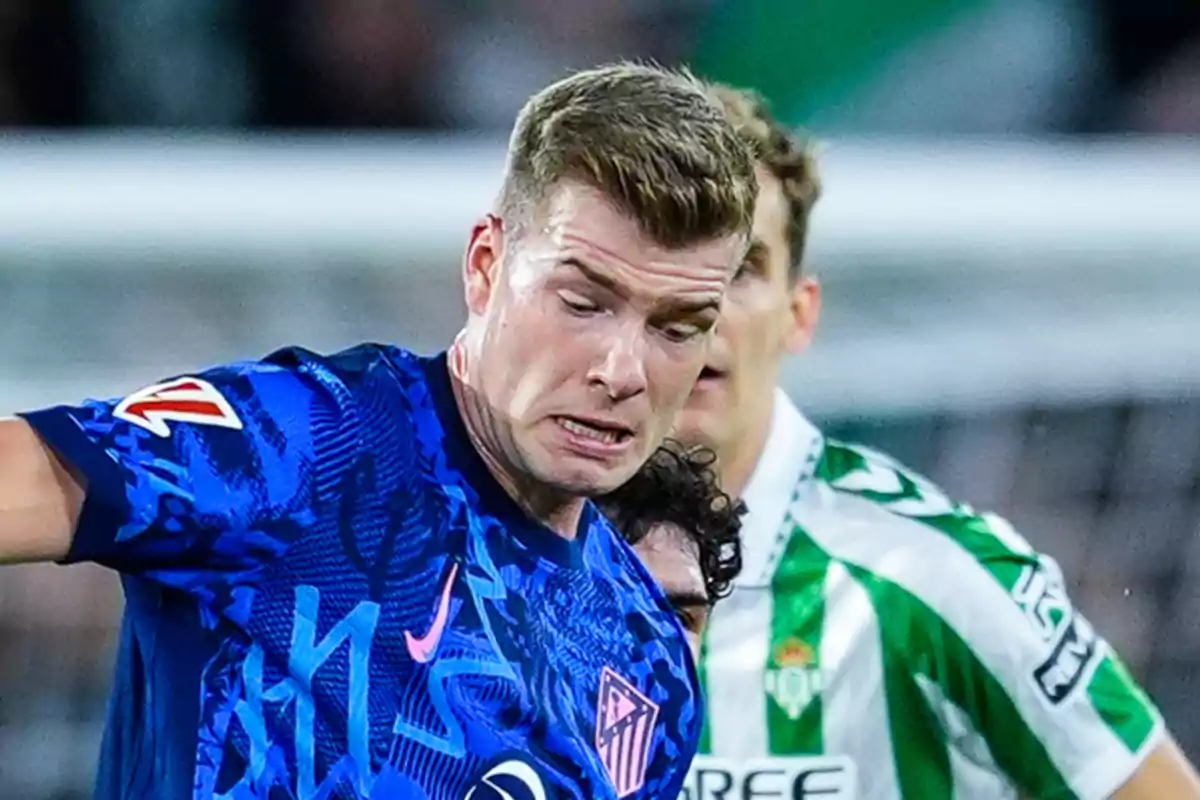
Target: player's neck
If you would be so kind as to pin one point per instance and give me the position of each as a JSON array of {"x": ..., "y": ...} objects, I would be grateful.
[
  {"x": 555, "y": 509},
  {"x": 740, "y": 456}
]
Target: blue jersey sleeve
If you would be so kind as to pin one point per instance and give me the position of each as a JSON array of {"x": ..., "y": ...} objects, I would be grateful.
[{"x": 203, "y": 475}]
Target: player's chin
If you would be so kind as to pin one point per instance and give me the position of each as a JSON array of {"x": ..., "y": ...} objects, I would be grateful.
[
  {"x": 698, "y": 424},
  {"x": 590, "y": 480}
]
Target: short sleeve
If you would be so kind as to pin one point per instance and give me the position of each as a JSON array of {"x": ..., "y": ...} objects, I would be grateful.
[
  {"x": 201, "y": 474},
  {"x": 1024, "y": 681},
  {"x": 1027, "y": 694}
]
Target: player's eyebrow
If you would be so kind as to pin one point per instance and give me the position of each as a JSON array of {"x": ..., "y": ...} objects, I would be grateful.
[
  {"x": 685, "y": 307},
  {"x": 756, "y": 254},
  {"x": 690, "y": 308},
  {"x": 687, "y": 599},
  {"x": 598, "y": 278}
]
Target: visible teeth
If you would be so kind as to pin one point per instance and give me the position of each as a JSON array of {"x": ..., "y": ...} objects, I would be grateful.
[{"x": 579, "y": 428}]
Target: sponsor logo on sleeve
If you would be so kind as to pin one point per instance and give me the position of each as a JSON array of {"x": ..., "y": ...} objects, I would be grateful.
[
  {"x": 188, "y": 400},
  {"x": 1074, "y": 649}
]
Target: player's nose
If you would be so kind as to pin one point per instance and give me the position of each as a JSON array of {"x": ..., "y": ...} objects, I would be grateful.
[{"x": 621, "y": 369}]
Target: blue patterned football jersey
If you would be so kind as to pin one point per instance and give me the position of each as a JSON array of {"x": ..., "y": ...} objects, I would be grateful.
[{"x": 329, "y": 596}]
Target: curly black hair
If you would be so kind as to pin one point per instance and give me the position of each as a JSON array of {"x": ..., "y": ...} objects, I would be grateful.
[{"x": 678, "y": 486}]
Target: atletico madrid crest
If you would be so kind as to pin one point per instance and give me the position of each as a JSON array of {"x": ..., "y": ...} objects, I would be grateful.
[
  {"x": 189, "y": 400},
  {"x": 624, "y": 729}
]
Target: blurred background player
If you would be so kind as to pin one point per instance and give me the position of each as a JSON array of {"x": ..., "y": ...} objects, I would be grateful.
[
  {"x": 376, "y": 574},
  {"x": 684, "y": 528},
  {"x": 882, "y": 641}
]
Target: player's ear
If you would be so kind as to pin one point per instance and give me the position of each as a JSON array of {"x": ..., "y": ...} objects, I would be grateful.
[
  {"x": 804, "y": 305},
  {"x": 481, "y": 265}
]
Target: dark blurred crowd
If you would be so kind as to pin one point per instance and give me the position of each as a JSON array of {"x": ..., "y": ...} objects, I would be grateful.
[
  {"x": 1152, "y": 61},
  {"x": 423, "y": 64},
  {"x": 417, "y": 64}
]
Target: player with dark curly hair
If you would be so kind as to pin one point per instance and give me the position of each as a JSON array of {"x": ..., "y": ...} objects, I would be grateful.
[{"x": 684, "y": 528}]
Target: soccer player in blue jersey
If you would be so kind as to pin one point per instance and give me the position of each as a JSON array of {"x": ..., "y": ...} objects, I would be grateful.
[{"x": 376, "y": 575}]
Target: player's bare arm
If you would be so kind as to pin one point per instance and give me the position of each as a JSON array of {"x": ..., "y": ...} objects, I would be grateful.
[
  {"x": 40, "y": 498},
  {"x": 1166, "y": 772}
]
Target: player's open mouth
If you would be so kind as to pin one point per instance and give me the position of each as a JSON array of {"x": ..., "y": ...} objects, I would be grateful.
[
  {"x": 602, "y": 433},
  {"x": 711, "y": 374}
]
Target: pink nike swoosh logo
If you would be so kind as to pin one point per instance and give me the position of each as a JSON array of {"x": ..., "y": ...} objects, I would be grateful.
[{"x": 421, "y": 649}]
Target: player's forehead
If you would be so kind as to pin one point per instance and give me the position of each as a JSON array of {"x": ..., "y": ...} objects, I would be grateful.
[
  {"x": 582, "y": 231},
  {"x": 673, "y": 559}
]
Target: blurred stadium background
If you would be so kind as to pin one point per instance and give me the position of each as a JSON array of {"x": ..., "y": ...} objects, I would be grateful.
[{"x": 1010, "y": 244}]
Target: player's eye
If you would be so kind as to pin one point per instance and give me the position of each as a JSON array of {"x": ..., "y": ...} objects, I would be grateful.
[
  {"x": 681, "y": 332},
  {"x": 577, "y": 303},
  {"x": 752, "y": 267},
  {"x": 689, "y": 618}
]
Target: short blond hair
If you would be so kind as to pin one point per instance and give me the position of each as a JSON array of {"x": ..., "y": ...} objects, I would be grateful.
[
  {"x": 651, "y": 139},
  {"x": 787, "y": 155}
]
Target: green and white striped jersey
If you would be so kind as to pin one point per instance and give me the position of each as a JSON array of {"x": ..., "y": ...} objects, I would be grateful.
[{"x": 884, "y": 642}]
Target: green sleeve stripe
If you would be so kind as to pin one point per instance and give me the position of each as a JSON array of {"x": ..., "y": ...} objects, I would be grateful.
[{"x": 1122, "y": 704}]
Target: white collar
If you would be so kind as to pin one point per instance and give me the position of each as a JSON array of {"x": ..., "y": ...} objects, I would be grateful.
[{"x": 789, "y": 457}]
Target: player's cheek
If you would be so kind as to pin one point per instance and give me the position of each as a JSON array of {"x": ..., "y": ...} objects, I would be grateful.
[{"x": 679, "y": 372}]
